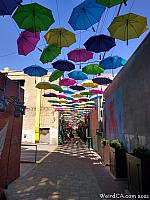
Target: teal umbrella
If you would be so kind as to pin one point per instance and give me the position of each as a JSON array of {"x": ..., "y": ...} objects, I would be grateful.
[
  {"x": 55, "y": 75},
  {"x": 49, "y": 54},
  {"x": 92, "y": 69},
  {"x": 33, "y": 17}
]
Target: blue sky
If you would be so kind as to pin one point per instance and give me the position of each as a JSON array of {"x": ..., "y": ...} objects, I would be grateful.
[{"x": 9, "y": 33}]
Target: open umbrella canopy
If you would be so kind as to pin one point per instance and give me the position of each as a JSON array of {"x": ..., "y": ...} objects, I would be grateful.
[
  {"x": 102, "y": 80},
  {"x": 110, "y": 3},
  {"x": 128, "y": 26},
  {"x": 35, "y": 70},
  {"x": 90, "y": 103},
  {"x": 85, "y": 15},
  {"x": 86, "y": 92},
  {"x": 61, "y": 96},
  {"x": 67, "y": 82},
  {"x": 50, "y": 94},
  {"x": 92, "y": 69},
  {"x": 33, "y": 17},
  {"x": 80, "y": 55},
  {"x": 77, "y": 75},
  {"x": 53, "y": 101},
  {"x": 48, "y": 85},
  {"x": 77, "y": 87},
  {"x": 27, "y": 42},
  {"x": 89, "y": 83},
  {"x": 49, "y": 54},
  {"x": 77, "y": 95},
  {"x": 68, "y": 91},
  {"x": 94, "y": 97},
  {"x": 96, "y": 91},
  {"x": 7, "y": 7},
  {"x": 60, "y": 37},
  {"x": 99, "y": 43},
  {"x": 63, "y": 65},
  {"x": 112, "y": 62},
  {"x": 55, "y": 75}
]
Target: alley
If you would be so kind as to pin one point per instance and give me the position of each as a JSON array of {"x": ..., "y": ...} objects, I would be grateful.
[{"x": 71, "y": 172}]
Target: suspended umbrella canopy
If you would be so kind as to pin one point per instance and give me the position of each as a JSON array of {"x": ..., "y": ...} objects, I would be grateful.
[
  {"x": 111, "y": 3},
  {"x": 53, "y": 101},
  {"x": 7, "y": 7},
  {"x": 112, "y": 62},
  {"x": 83, "y": 99},
  {"x": 86, "y": 92},
  {"x": 77, "y": 75},
  {"x": 86, "y": 15},
  {"x": 92, "y": 69},
  {"x": 63, "y": 65},
  {"x": 67, "y": 82},
  {"x": 68, "y": 91},
  {"x": 96, "y": 91},
  {"x": 89, "y": 83},
  {"x": 63, "y": 101},
  {"x": 47, "y": 85},
  {"x": 80, "y": 55},
  {"x": 99, "y": 43},
  {"x": 27, "y": 42},
  {"x": 49, "y": 54},
  {"x": 90, "y": 103},
  {"x": 60, "y": 37},
  {"x": 77, "y": 87},
  {"x": 128, "y": 26},
  {"x": 102, "y": 80},
  {"x": 94, "y": 97},
  {"x": 77, "y": 95},
  {"x": 33, "y": 17},
  {"x": 69, "y": 98},
  {"x": 61, "y": 96},
  {"x": 55, "y": 75},
  {"x": 50, "y": 94},
  {"x": 35, "y": 70}
]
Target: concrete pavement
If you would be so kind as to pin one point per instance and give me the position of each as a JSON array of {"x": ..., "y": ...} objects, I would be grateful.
[{"x": 70, "y": 172}]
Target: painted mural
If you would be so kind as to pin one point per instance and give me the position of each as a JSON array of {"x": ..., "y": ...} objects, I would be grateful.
[{"x": 114, "y": 115}]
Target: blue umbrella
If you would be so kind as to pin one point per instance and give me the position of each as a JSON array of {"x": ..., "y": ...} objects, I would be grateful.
[
  {"x": 94, "y": 97},
  {"x": 8, "y": 6},
  {"x": 102, "y": 80},
  {"x": 69, "y": 98},
  {"x": 78, "y": 75},
  {"x": 85, "y": 15},
  {"x": 35, "y": 70},
  {"x": 63, "y": 65},
  {"x": 112, "y": 62},
  {"x": 68, "y": 91},
  {"x": 77, "y": 87},
  {"x": 99, "y": 43}
]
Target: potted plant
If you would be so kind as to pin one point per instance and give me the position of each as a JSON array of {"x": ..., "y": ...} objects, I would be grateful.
[
  {"x": 138, "y": 167},
  {"x": 118, "y": 159},
  {"x": 105, "y": 151}
]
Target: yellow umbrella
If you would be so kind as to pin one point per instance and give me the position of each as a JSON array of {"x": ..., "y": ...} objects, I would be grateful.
[
  {"x": 128, "y": 26},
  {"x": 43, "y": 85},
  {"x": 63, "y": 101},
  {"x": 89, "y": 83},
  {"x": 77, "y": 95},
  {"x": 60, "y": 37}
]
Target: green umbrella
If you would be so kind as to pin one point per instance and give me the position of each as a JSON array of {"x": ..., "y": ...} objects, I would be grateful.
[
  {"x": 56, "y": 87},
  {"x": 49, "y": 54},
  {"x": 55, "y": 75},
  {"x": 110, "y": 3},
  {"x": 86, "y": 92},
  {"x": 92, "y": 69},
  {"x": 33, "y": 17},
  {"x": 90, "y": 102},
  {"x": 53, "y": 101}
]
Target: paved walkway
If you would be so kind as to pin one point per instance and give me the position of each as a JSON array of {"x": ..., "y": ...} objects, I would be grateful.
[{"x": 71, "y": 172}]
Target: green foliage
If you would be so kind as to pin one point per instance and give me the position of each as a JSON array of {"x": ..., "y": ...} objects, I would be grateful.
[
  {"x": 104, "y": 141},
  {"x": 116, "y": 144},
  {"x": 141, "y": 152}
]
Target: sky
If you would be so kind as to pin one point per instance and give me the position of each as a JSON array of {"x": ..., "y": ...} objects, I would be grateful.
[{"x": 61, "y": 9}]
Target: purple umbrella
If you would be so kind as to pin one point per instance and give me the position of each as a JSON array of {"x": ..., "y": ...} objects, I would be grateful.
[
  {"x": 102, "y": 80},
  {"x": 63, "y": 65},
  {"x": 67, "y": 82},
  {"x": 80, "y": 55},
  {"x": 27, "y": 42},
  {"x": 77, "y": 87},
  {"x": 49, "y": 95}
]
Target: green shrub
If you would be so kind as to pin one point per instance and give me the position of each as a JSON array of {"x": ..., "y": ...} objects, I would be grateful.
[
  {"x": 116, "y": 144},
  {"x": 104, "y": 141}
]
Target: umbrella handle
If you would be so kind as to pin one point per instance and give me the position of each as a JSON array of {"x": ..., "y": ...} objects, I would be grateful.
[{"x": 125, "y": 3}]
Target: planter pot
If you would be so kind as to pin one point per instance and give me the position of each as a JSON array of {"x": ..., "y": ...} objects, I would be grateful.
[
  {"x": 138, "y": 174},
  {"x": 118, "y": 163},
  {"x": 106, "y": 154}
]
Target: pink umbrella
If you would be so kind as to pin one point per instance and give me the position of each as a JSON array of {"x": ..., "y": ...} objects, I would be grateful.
[
  {"x": 27, "y": 42},
  {"x": 80, "y": 55},
  {"x": 61, "y": 96},
  {"x": 67, "y": 82},
  {"x": 96, "y": 91}
]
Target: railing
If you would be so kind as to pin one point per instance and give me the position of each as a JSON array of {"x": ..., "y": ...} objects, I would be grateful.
[{"x": 35, "y": 153}]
